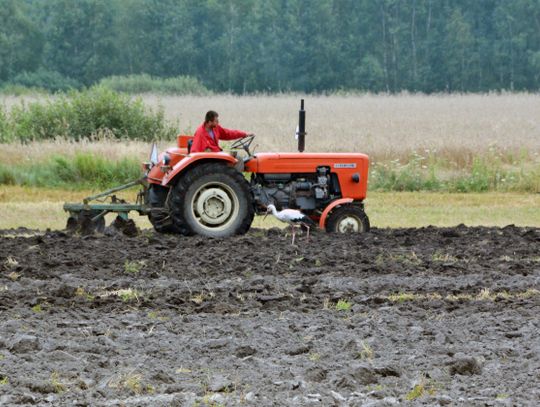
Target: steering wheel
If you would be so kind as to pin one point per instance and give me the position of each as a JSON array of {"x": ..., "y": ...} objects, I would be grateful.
[{"x": 243, "y": 143}]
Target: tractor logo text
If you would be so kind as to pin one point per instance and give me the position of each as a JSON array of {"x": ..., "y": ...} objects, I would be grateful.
[{"x": 347, "y": 165}]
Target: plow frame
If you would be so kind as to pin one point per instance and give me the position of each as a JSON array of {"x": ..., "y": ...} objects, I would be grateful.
[{"x": 98, "y": 202}]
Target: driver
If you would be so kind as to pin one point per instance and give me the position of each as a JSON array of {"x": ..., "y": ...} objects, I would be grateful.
[{"x": 209, "y": 133}]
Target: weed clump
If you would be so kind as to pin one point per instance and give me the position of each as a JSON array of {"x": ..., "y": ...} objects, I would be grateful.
[
  {"x": 422, "y": 388},
  {"x": 58, "y": 386},
  {"x": 343, "y": 305},
  {"x": 128, "y": 295},
  {"x": 366, "y": 352},
  {"x": 132, "y": 382},
  {"x": 37, "y": 308},
  {"x": 134, "y": 267}
]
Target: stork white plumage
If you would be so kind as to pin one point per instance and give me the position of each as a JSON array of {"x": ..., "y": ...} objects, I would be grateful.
[{"x": 293, "y": 217}]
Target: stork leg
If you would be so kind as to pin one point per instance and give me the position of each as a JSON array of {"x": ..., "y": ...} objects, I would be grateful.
[
  {"x": 307, "y": 238},
  {"x": 293, "y": 234}
]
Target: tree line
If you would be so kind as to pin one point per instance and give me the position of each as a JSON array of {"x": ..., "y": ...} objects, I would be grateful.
[{"x": 277, "y": 45}]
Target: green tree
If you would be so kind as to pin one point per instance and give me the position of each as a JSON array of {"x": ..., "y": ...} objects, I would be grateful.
[
  {"x": 81, "y": 38},
  {"x": 459, "y": 45},
  {"x": 280, "y": 45},
  {"x": 20, "y": 41}
]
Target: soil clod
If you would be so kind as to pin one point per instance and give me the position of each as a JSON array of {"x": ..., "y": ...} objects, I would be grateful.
[
  {"x": 24, "y": 343},
  {"x": 465, "y": 365}
]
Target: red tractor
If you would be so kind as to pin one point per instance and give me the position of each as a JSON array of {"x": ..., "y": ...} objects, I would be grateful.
[{"x": 218, "y": 194}]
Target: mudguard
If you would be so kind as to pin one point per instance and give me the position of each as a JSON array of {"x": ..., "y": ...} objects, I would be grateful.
[
  {"x": 193, "y": 158},
  {"x": 328, "y": 209}
]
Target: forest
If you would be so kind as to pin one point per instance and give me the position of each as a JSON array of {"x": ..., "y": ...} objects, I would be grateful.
[{"x": 250, "y": 46}]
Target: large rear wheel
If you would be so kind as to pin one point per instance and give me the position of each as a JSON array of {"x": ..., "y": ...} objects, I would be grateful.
[
  {"x": 213, "y": 200},
  {"x": 348, "y": 219}
]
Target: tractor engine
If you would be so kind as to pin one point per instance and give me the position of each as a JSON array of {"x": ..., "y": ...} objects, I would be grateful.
[{"x": 295, "y": 190}]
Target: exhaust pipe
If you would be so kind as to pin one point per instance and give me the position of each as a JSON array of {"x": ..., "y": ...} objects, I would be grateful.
[{"x": 301, "y": 127}]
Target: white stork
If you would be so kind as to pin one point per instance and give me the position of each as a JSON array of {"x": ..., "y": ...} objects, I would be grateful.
[{"x": 293, "y": 217}]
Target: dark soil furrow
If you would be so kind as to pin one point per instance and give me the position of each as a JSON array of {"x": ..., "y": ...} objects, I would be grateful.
[{"x": 438, "y": 316}]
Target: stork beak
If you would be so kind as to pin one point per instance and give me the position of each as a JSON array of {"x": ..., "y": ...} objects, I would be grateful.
[{"x": 265, "y": 215}]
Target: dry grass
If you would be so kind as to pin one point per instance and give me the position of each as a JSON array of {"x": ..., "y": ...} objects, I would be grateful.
[
  {"x": 411, "y": 209},
  {"x": 17, "y": 153},
  {"x": 454, "y": 128},
  {"x": 384, "y": 126},
  {"x": 38, "y": 208}
]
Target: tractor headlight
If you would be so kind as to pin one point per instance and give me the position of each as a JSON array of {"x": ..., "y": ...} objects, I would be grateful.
[{"x": 166, "y": 159}]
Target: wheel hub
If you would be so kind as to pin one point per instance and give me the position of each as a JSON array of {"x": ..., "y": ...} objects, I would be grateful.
[
  {"x": 349, "y": 224},
  {"x": 213, "y": 206}
]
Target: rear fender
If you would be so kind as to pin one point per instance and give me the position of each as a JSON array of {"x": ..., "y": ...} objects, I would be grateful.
[
  {"x": 156, "y": 173},
  {"x": 328, "y": 209},
  {"x": 196, "y": 158}
]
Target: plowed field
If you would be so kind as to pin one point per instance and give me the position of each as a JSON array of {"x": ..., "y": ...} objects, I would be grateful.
[{"x": 430, "y": 315}]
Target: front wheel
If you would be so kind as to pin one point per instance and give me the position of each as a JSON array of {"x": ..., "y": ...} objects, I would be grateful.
[
  {"x": 348, "y": 219},
  {"x": 213, "y": 200}
]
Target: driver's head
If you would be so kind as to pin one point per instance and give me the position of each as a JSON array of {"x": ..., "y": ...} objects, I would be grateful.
[{"x": 211, "y": 119}]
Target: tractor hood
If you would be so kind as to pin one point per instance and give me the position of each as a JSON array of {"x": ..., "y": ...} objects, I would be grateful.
[{"x": 307, "y": 162}]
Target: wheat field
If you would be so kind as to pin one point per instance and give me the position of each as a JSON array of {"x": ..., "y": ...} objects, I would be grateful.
[{"x": 455, "y": 128}]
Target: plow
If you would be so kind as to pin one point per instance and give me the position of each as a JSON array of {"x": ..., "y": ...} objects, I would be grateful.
[
  {"x": 217, "y": 194},
  {"x": 89, "y": 216}
]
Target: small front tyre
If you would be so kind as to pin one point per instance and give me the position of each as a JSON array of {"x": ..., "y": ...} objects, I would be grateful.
[{"x": 348, "y": 219}]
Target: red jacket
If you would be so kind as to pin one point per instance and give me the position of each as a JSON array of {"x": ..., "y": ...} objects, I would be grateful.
[{"x": 202, "y": 139}]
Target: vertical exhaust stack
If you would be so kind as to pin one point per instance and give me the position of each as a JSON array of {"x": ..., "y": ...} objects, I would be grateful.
[{"x": 301, "y": 127}]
